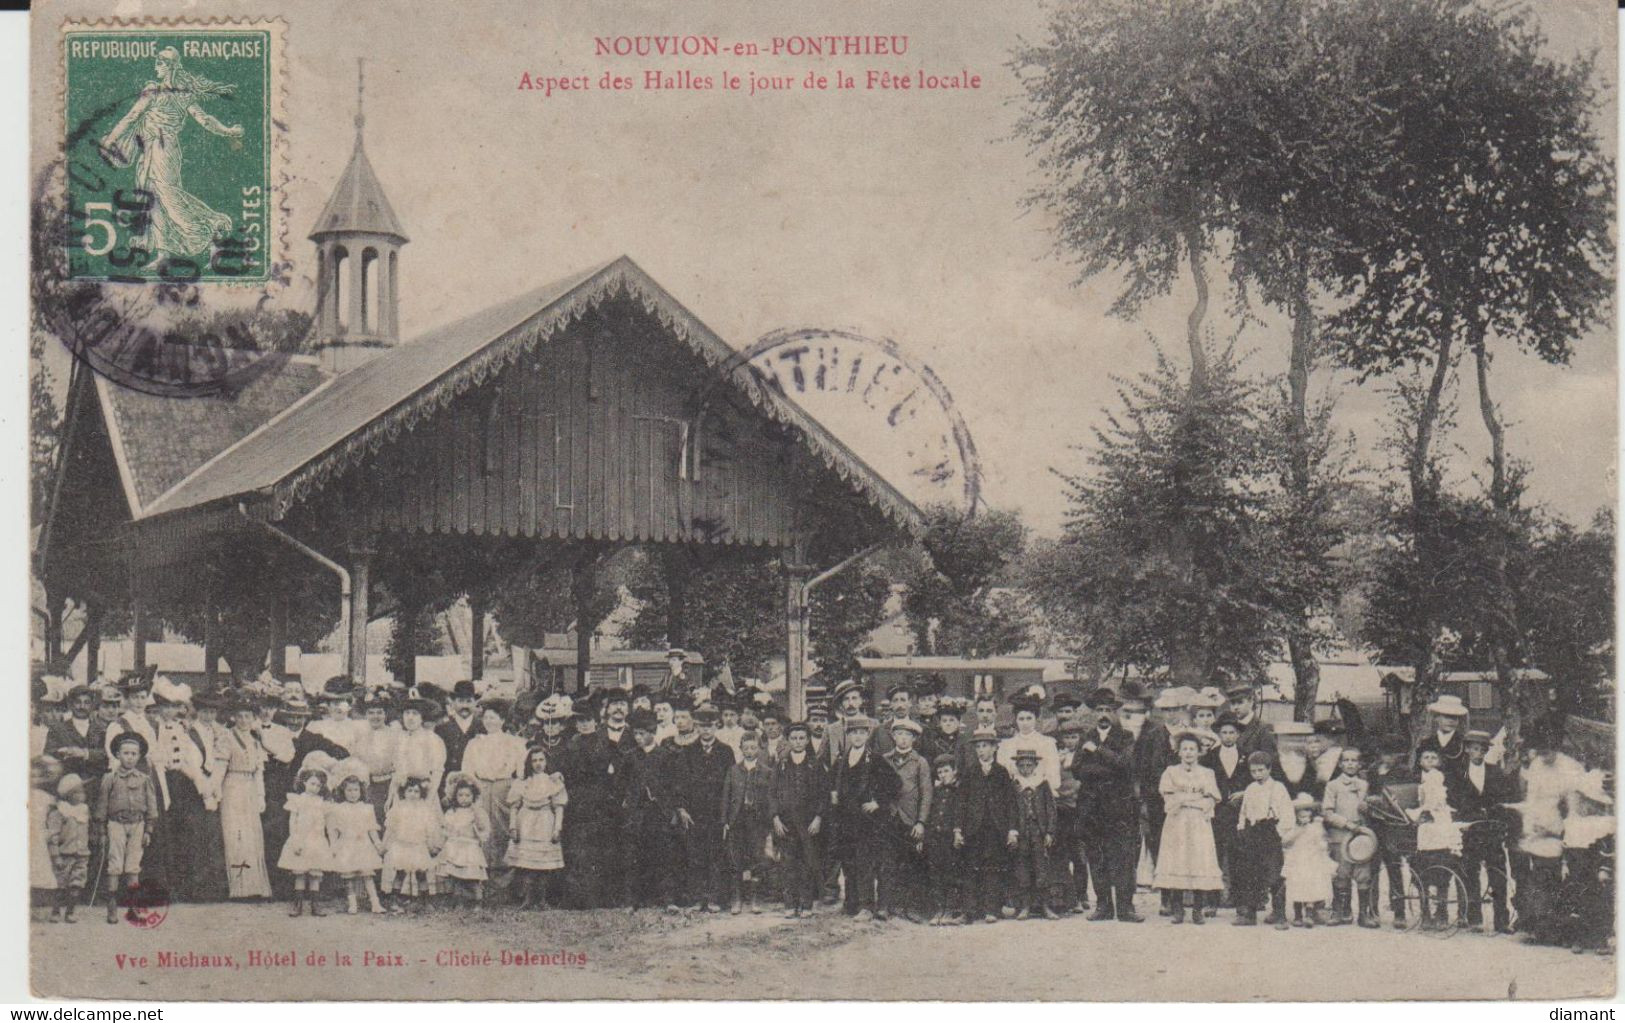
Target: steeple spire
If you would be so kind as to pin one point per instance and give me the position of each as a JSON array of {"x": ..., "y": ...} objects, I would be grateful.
[{"x": 358, "y": 240}]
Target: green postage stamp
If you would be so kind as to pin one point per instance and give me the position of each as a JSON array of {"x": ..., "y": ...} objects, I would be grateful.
[{"x": 171, "y": 149}]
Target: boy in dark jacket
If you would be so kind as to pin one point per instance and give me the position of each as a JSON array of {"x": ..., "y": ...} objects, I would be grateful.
[
  {"x": 943, "y": 860},
  {"x": 745, "y": 817},
  {"x": 647, "y": 815},
  {"x": 986, "y": 827},
  {"x": 799, "y": 803},
  {"x": 864, "y": 792},
  {"x": 1035, "y": 830}
]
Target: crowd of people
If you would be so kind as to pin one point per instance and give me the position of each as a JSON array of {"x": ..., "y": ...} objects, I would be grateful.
[{"x": 939, "y": 810}]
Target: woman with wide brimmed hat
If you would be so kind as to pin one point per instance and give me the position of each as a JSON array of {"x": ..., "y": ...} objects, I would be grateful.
[{"x": 242, "y": 800}]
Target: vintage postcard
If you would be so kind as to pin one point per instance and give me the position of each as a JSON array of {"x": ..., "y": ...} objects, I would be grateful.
[{"x": 1066, "y": 500}]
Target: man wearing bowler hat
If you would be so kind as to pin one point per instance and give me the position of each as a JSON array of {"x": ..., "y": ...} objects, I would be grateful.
[
  {"x": 460, "y": 726},
  {"x": 1108, "y": 812}
]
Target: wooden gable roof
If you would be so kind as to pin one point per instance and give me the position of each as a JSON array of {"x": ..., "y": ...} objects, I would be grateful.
[{"x": 342, "y": 422}]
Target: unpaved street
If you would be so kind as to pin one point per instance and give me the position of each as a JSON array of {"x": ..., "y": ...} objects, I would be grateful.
[{"x": 652, "y": 955}]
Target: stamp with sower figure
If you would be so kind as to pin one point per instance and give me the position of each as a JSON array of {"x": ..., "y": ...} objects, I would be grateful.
[{"x": 169, "y": 150}]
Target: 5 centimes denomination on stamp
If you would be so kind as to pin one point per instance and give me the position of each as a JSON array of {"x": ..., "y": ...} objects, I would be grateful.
[{"x": 170, "y": 150}]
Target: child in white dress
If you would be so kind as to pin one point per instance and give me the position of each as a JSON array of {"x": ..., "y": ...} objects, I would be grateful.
[
  {"x": 537, "y": 803},
  {"x": 462, "y": 860},
  {"x": 1308, "y": 866},
  {"x": 307, "y": 854},
  {"x": 1438, "y": 839},
  {"x": 352, "y": 825},
  {"x": 412, "y": 836}
]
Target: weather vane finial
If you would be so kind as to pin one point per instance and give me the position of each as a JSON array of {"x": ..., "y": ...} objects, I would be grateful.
[{"x": 360, "y": 94}]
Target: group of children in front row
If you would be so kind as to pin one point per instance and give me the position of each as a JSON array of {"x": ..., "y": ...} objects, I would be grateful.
[{"x": 333, "y": 831}]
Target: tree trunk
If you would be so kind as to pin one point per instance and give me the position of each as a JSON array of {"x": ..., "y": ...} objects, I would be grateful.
[
  {"x": 1300, "y": 479},
  {"x": 1424, "y": 517},
  {"x": 1503, "y": 605},
  {"x": 211, "y": 635},
  {"x": 1195, "y": 248}
]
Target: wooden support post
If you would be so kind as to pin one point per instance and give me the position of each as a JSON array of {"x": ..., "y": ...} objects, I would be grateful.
[
  {"x": 138, "y": 628},
  {"x": 278, "y": 660},
  {"x": 795, "y": 639},
  {"x": 676, "y": 569},
  {"x": 476, "y": 636},
  {"x": 93, "y": 641},
  {"x": 211, "y": 633},
  {"x": 583, "y": 582},
  {"x": 355, "y": 652}
]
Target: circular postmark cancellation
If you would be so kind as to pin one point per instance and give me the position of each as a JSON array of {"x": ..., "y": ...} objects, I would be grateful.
[
  {"x": 145, "y": 905},
  {"x": 891, "y": 410},
  {"x": 158, "y": 231}
]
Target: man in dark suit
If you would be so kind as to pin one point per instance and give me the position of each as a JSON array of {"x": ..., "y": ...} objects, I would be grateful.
[
  {"x": 986, "y": 826},
  {"x": 1449, "y": 720},
  {"x": 700, "y": 769},
  {"x": 1477, "y": 800},
  {"x": 864, "y": 790},
  {"x": 77, "y": 740},
  {"x": 460, "y": 725},
  {"x": 1229, "y": 767},
  {"x": 646, "y": 814},
  {"x": 1108, "y": 812},
  {"x": 597, "y": 787}
]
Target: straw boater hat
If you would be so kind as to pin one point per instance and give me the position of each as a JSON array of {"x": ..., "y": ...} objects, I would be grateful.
[
  {"x": 1448, "y": 705},
  {"x": 555, "y": 708},
  {"x": 1175, "y": 697},
  {"x": 1478, "y": 737},
  {"x": 844, "y": 686},
  {"x": 982, "y": 735},
  {"x": 167, "y": 693}
]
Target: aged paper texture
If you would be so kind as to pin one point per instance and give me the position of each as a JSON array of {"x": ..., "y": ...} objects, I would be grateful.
[{"x": 541, "y": 501}]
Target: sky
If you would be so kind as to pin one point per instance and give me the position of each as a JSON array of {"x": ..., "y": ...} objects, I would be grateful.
[{"x": 891, "y": 214}]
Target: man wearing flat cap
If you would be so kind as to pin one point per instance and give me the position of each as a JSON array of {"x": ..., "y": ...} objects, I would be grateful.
[
  {"x": 1479, "y": 797},
  {"x": 1255, "y": 735},
  {"x": 1108, "y": 812}
]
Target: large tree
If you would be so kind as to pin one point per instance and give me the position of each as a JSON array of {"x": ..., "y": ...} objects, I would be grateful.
[
  {"x": 1490, "y": 218},
  {"x": 1170, "y": 558},
  {"x": 958, "y": 597}
]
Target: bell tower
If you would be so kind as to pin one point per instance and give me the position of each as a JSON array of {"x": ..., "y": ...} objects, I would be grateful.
[{"x": 358, "y": 241}]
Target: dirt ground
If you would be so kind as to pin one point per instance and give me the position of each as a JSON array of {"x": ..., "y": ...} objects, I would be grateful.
[{"x": 622, "y": 955}]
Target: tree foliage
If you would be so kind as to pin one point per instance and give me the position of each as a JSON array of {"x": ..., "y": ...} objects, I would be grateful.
[
  {"x": 1170, "y": 558},
  {"x": 957, "y": 598}
]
